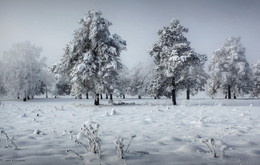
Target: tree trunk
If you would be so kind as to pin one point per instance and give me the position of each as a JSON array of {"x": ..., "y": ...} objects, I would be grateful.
[
  {"x": 139, "y": 97},
  {"x": 229, "y": 92},
  {"x": 46, "y": 91},
  {"x": 111, "y": 97},
  {"x": 87, "y": 95},
  {"x": 101, "y": 97},
  {"x": 235, "y": 97},
  {"x": 188, "y": 93},
  {"x": 96, "y": 102},
  {"x": 25, "y": 96},
  {"x": 106, "y": 96},
  {"x": 174, "y": 92},
  {"x": 123, "y": 96}
]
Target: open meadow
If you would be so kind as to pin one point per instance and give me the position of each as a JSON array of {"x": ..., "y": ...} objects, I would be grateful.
[{"x": 43, "y": 130}]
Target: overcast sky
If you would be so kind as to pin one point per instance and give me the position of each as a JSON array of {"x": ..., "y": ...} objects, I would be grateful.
[{"x": 50, "y": 24}]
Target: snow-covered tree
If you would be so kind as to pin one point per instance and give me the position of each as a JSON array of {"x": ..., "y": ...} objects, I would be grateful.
[
  {"x": 173, "y": 57},
  {"x": 22, "y": 74},
  {"x": 123, "y": 82},
  {"x": 196, "y": 78},
  {"x": 229, "y": 70},
  {"x": 92, "y": 59},
  {"x": 141, "y": 77},
  {"x": 256, "y": 79}
]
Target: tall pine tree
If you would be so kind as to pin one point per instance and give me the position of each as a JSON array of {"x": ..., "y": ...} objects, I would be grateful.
[
  {"x": 92, "y": 59},
  {"x": 173, "y": 57}
]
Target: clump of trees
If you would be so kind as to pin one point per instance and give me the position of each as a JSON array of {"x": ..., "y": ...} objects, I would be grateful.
[
  {"x": 91, "y": 64},
  {"x": 23, "y": 72}
]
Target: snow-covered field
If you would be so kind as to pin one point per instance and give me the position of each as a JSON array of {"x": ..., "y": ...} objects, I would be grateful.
[{"x": 43, "y": 129}]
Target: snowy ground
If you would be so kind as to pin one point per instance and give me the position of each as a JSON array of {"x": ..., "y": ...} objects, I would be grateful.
[{"x": 170, "y": 134}]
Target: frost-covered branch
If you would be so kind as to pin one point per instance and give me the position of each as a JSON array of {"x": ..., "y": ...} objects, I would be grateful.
[{"x": 74, "y": 152}]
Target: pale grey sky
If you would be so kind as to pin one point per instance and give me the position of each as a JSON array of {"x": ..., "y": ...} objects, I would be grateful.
[{"x": 50, "y": 23}]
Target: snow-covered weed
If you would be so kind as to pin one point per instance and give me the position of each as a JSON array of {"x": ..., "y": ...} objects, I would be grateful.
[
  {"x": 212, "y": 145},
  {"x": 9, "y": 143},
  {"x": 89, "y": 132},
  {"x": 127, "y": 148},
  {"x": 119, "y": 142}
]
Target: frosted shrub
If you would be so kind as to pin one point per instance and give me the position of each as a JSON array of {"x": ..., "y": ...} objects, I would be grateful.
[
  {"x": 9, "y": 143},
  {"x": 119, "y": 142},
  {"x": 90, "y": 131}
]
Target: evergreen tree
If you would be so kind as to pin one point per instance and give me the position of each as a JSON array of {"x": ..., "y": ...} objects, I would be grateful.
[
  {"x": 92, "y": 59},
  {"x": 173, "y": 57},
  {"x": 229, "y": 70}
]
